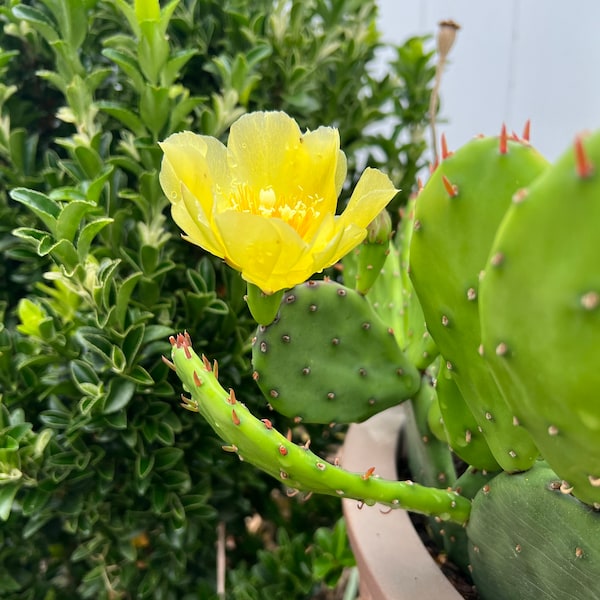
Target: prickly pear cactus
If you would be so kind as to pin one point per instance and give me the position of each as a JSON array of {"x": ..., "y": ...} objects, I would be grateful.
[
  {"x": 460, "y": 426},
  {"x": 419, "y": 345},
  {"x": 257, "y": 442},
  {"x": 328, "y": 357},
  {"x": 394, "y": 299},
  {"x": 429, "y": 459},
  {"x": 371, "y": 254},
  {"x": 528, "y": 539},
  {"x": 457, "y": 215},
  {"x": 540, "y": 314}
]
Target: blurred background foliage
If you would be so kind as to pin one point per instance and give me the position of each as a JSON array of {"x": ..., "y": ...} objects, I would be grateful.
[{"x": 108, "y": 489}]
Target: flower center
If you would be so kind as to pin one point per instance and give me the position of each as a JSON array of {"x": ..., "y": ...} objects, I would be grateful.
[{"x": 266, "y": 203}]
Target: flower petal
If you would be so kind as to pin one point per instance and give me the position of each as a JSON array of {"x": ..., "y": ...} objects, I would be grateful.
[
  {"x": 268, "y": 252},
  {"x": 372, "y": 193},
  {"x": 338, "y": 245},
  {"x": 185, "y": 162},
  {"x": 188, "y": 214},
  {"x": 340, "y": 173},
  {"x": 268, "y": 150}
]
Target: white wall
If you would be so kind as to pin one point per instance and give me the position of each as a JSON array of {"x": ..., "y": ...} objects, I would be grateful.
[{"x": 512, "y": 60}]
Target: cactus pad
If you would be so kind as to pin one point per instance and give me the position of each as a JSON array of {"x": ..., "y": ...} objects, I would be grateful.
[
  {"x": 328, "y": 357},
  {"x": 540, "y": 311},
  {"x": 457, "y": 215},
  {"x": 527, "y": 539}
]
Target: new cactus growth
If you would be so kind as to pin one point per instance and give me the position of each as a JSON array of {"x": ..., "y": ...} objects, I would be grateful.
[
  {"x": 485, "y": 320},
  {"x": 257, "y": 442}
]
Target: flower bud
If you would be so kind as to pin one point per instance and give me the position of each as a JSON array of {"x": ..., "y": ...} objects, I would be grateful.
[{"x": 379, "y": 229}]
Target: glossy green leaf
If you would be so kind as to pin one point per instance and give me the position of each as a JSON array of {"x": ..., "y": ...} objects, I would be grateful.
[
  {"x": 120, "y": 392},
  {"x": 47, "y": 210}
]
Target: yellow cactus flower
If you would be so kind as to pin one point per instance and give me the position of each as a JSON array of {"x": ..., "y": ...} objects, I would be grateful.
[{"x": 266, "y": 203}]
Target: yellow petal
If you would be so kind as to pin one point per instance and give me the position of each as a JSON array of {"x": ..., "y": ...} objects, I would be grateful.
[
  {"x": 344, "y": 240},
  {"x": 187, "y": 213},
  {"x": 268, "y": 150},
  {"x": 216, "y": 160},
  {"x": 340, "y": 173},
  {"x": 185, "y": 162},
  {"x": 372, "y": 193},
  {"x": 268, "y": 252},
  {"x": 323, "y": 166}
]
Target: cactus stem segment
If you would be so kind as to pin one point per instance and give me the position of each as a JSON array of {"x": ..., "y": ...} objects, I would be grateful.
[
  {"x": 503, "y": 147},
  {"x": 450, "y": 187},
  {"x": 582, "y": 163},
  {"x": 260, "y": 444}
]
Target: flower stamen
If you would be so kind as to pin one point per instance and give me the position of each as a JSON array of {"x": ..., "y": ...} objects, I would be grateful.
[{"x": 267, "y": 203}]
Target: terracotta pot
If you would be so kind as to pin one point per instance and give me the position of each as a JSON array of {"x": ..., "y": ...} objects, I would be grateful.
[{"x": 392, "y": 562}]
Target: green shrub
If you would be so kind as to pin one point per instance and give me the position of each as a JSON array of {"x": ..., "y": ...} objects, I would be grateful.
[{"x": 107, "y": 488}]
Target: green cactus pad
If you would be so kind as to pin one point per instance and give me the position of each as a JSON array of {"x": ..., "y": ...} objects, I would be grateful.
[
  {"x": 527, "y": 540},
  {"x": 260, "y": 444},
  {"x": 457, "y": 214},
  {"x": 328, "y": 357},
  {"x": 419, "y": 346},
  {"x": 429, "y": 459},
  {"x": 454, "y": 537},
  {"x": 540, "y": 314},
  {"x": 395, "y": 301},
  {"x": 461, "y": 428},
  {"x": 371, "y": 254}
]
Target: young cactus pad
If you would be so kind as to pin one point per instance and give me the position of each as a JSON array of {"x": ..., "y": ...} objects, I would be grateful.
[
  {"x": 328, "y": 357},
  {"x": 540, "y": 314},
  {"x": 457, "y": 215},
  {"x": 257, "y": 442}
]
